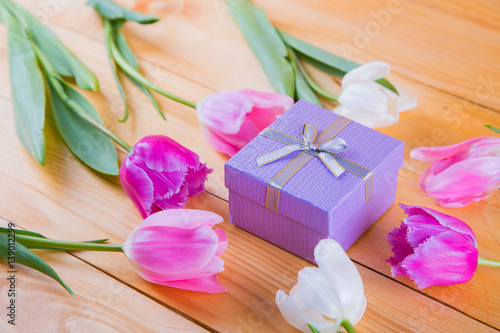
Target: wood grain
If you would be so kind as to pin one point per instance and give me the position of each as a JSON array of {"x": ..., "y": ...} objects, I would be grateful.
[
  {"x": 449, "y": 45},
  {"x": 255, "y": 269},
  {"x": 196, "y": 50}
]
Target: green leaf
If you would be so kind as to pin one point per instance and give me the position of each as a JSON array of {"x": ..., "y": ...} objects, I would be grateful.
[
  {"x": 313, "y": 329},
  {"x": 342, "y": 64},
  {"x": 266, "y": 44},
  {"x": 304, "y": 91},
  {"x": 129, "y": 56},
  {"x": 25, "y": 257},
  {"x": 63, "y": 60},
  {"x": 493, "y": 128},
  {"x": 302, "y": 88},
  {"x": 27, "y": 88},
  {"x": 112, "y": 11},
  {"x": 108, "y": 35},
  {"x": 93, "y": 147},
  {"x": 21, "y": 232},
  {"x": 324, "y": 60}
]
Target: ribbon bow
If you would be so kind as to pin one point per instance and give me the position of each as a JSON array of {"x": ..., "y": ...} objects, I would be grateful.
[{"x": 309, "y": 145}]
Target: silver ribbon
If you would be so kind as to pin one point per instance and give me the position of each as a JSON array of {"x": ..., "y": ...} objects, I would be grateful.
[
  {"x": 309, "y": 145},
  {"x": 323, "y": 146}
]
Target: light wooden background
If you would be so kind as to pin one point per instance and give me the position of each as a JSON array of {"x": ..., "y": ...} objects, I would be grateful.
[{"x": 444, "y": 52}]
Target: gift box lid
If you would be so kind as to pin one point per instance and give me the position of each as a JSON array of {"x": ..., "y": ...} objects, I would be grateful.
[{"x": 314, "y": 196}]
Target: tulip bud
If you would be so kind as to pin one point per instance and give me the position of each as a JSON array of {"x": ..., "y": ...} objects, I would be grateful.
[
  {"x": 231, "y": 119},
  {"x": 179, "y": 248},
  {"x": 161, "y": 174},
  {"x": 432, "y": 248},
  {"x": 327, "y": 295},
  {"x": 462, "y": 173},
  {"x": 367, "y": 102}
]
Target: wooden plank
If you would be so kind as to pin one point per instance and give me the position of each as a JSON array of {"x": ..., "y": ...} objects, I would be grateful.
[
  {"x": 450, "y": 45},
  {"x": 100, "y": 304},
  {"x": 93, "y": 208},
  {"x": 68, "y": 181},
  {"x": 458, "y": 121},
  {"x": 255, "y": 269},
  {"x": 440, "y": 119}
]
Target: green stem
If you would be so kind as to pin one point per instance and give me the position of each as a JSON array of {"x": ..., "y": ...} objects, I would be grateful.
[
  {"x": 488, "y": 262},
  {"x": 348, "y": 326},
  {"x": 65, "y": 245},
  {"x": 132, "y": 72},
  {"x": 314, "y": 86},
  {"x": 55, "y": 81}
]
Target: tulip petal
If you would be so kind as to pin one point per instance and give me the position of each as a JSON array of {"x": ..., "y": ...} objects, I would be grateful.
[
  {"x": 314, "y": 292},
  {"x": 400, "y": 247},
  {"x": 222, "y": 246},
  {"x": 181, "y": 218},
  {"x": 196, "y": 178},
  {"x": 171, "y": 250},
  {"x": 371, "y": 71},
  {"x": 438, "y": 218},
  {"x": 225, "y": 111},
  {"x": 431, "y": 154},
  {"x": 160, "y": 153},
  {"x": 166, "y": 184},
  {"x": 264, "y": 99},
  {"x": 299, "y": 319},
  {"x": 366, "y": 97},
  {"x": 137, "y": 186},
  {"x": 216, "y": 265},
  {"x": 267, "y": 107},
  {"x": 406, "y": 101},
  {"x": 174, "y": 201},
  {"x": 208, "y": 284},
  {"x": 442, "y": 260},
  {"x": 218, "y": 141},
  {"x": 342, "y": 275},
  {"x": 462, "y": 183}
]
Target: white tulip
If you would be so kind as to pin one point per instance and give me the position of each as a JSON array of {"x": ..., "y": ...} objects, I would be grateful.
[
  {"x": 367, "y": 102},
  {"x": 325, "y": 295}
]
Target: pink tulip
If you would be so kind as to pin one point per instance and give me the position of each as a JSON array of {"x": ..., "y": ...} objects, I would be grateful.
[
  {"x": 161, "y": 174},
  {"x": 231, "y": 119},
  {"x": 462, "y": 173},
  {"x": 178, "y": 248},
  {"x": 432, "y": 248}
]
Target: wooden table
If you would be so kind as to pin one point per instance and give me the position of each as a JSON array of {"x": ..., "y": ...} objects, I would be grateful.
[{"x": 444, "y": 52}]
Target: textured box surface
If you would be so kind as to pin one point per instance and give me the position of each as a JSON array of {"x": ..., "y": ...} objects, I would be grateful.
[{"x": 313, "y": 204}]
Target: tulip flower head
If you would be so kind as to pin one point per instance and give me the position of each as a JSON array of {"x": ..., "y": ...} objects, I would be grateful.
[
  {"x": 462, "y": 173},
  {"x": 432, "y": 248},
  {"x": 231, "y": 119},
  {"x": 326, "y": 295},
  {"x": 179, "y": 248},
  {"x": 161, "y": 174},
  {"x": 367, "y": 102}
]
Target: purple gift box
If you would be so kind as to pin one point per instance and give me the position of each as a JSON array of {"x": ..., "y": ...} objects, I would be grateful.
[{"x": 310, "y": 203}]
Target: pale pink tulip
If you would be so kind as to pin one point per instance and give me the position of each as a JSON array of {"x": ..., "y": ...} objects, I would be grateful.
[
  {"x": 462, "y": 173},
  {"x": 432, "y": 248},
  {"x": 231, "y": 119},
  {"x": 178, "y": 248},
  {"x": 161, "y": 174}
]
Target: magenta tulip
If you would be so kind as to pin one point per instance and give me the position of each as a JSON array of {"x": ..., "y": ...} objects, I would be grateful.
[
  {"x": 161, "y": 174},
  {"x": 432, "y": 248},
  {"x": 462, "y": 173},
  {"x": 231, "y": 119},
  {"x": 178, "y": 248}
]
